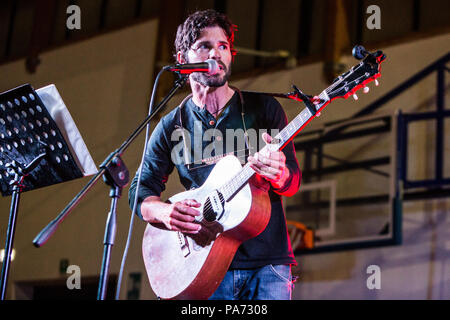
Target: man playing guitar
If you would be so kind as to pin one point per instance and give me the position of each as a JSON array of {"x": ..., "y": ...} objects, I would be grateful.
[{"x": 261, "y": 267}]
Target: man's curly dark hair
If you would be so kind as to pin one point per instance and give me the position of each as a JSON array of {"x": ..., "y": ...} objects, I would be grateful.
[{"x": 189, "y": 31}]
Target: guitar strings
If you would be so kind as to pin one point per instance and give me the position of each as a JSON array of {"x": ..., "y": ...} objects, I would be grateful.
[
  {"x": 350, "y": 83},
  {"x": 351, "y": 71},
  {"x": 234, "y": 183}
]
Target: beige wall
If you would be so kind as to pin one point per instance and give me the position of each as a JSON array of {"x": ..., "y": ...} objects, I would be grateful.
[{"x": 106, "y": 82}]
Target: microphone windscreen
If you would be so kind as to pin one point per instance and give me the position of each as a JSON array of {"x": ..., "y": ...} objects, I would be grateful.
[{"x": 213, "y": 66}]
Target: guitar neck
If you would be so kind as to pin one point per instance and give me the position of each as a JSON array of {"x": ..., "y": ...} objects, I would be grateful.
[
  {"x": 234, "y": 185},
  {"x": 342, "y": 87},
  {"x": 297, "y": 124}
]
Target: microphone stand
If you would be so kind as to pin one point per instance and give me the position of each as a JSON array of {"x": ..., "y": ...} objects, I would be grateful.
[
  {"x": 19, "y": 173},
  {"x": 116, "y": 175}
]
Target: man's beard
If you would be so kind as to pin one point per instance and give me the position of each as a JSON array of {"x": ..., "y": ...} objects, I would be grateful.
[{"x": 214, "y": 81}]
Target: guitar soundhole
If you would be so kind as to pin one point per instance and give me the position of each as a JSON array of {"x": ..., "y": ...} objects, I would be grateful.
[{"x": 214, "y": 207}]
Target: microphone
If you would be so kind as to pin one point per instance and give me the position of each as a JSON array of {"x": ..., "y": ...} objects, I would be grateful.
[{"x": 210, "y": 66}]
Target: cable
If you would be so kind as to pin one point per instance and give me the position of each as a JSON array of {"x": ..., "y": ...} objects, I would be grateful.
[{"x": 133, "y": 212}]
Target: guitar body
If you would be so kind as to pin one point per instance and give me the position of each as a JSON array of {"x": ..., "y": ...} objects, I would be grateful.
[{"x": 183, "y": 266}]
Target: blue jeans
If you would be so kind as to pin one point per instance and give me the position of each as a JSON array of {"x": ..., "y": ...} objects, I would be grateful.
[{"x": 271, "y": 282}]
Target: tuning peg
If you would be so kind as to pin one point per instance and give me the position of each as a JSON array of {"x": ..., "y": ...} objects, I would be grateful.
[
  {"x": 366, "y": 89},
  {"x": 376, "y": 82},
  {"x": 355, "y": 96}
]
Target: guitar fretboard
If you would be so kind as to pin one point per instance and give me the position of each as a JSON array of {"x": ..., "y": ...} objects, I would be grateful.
[{"x": 236, "y": 183}]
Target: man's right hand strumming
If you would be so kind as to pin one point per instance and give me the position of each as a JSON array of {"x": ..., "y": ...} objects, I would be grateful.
[{"x": 178, "y": 216}]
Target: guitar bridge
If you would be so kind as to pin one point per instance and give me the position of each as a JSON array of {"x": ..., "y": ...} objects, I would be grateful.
[{"x": 184, "y": 244}]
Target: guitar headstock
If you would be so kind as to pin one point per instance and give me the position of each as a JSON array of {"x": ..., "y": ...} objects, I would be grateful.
[{"x": 357, "y": 77}]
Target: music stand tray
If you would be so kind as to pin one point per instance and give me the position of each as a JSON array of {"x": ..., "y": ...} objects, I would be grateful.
[{"x": 25, "y": 121}]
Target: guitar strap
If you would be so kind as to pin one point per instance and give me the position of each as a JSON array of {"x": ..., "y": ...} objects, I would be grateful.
[{"x": 208, "y": 161}]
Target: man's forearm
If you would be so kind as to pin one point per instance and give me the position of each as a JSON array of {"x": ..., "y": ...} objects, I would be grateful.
[{"x": 150, "y": 206}]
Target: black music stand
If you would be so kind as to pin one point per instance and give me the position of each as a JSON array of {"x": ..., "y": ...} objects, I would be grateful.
[{"x": 34, "y": 154}]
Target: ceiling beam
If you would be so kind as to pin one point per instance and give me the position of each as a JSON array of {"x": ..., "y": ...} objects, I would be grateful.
[{"x": 44, "y": 17}]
